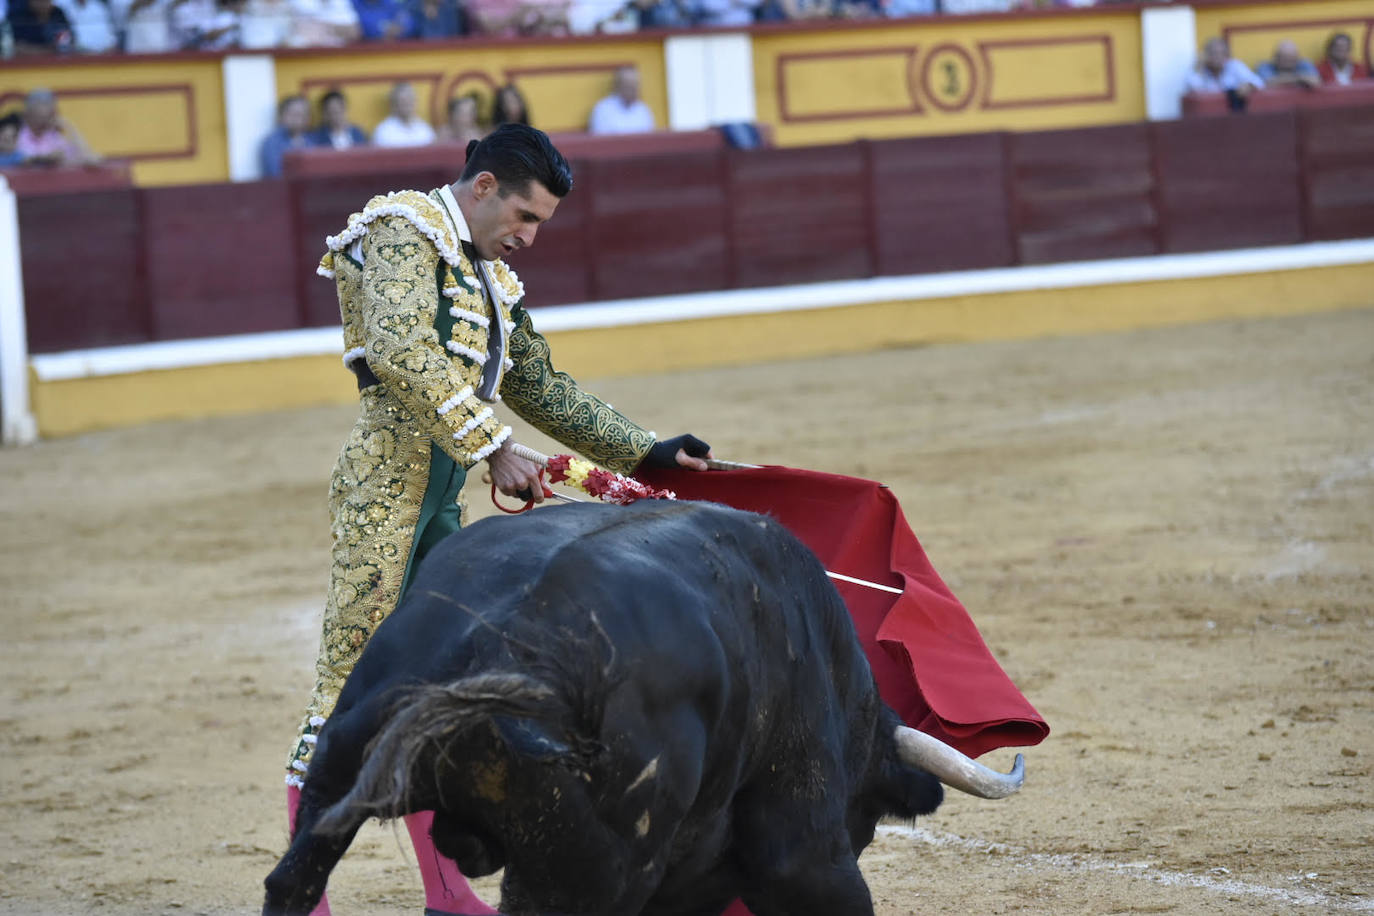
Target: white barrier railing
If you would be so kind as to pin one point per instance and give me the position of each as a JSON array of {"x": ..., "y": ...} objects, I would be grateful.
[{"x": 18, "y": 427}]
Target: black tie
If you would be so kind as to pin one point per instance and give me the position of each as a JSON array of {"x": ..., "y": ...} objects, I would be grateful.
[{"x": 496, "y": 337}]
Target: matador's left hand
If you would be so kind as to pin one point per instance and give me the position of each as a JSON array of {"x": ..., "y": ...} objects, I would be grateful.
[{"x": 686, "y": 451}]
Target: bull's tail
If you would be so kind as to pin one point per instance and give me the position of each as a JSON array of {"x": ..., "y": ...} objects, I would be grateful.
[{"x": 424, "y": 717}]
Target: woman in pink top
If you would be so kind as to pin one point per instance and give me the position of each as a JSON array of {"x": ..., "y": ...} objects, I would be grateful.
[{"x": 47, "y": 138}]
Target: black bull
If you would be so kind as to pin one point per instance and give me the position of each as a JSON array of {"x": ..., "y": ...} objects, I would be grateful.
[{"x": 646, "y": 709}]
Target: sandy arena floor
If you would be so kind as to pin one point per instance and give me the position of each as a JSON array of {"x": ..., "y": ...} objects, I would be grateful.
[{"x": 1166, "y": 537}]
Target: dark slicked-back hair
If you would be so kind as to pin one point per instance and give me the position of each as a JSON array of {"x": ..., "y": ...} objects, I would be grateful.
[{"x": 518, "y": 154}]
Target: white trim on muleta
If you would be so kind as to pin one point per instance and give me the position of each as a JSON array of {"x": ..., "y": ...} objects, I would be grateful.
[{"x": 328, "y": 341}]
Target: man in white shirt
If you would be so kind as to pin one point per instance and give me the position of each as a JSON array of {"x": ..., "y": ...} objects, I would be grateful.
[
  {"x": 403, "y": 127},
  {"x": 146, "y": 25},
  {"x": 623, "y": 111},
  {"x": 1218, "y": 71},
  {"x": 323, "y": 23},
  {"x": 92, "y": 25}
]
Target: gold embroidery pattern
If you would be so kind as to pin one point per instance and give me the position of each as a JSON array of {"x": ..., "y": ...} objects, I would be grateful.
[
  {"x": 552, "y": 402},
  {"x": 404, "y": 352}
]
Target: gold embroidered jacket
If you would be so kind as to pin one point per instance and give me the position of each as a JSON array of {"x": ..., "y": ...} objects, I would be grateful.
[{"x": 413, "y": 308}]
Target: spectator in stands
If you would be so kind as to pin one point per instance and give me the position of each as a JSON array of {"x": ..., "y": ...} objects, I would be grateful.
[
  {"x": 1218, "y": 71},
  {"x": 402, "y": 127},
  {"x": 145, "y": 26},
  {"x": 546, "y": 17},
  {"x": 663, "y": 14},
  {"x": 9, "y": 139},
  {"x": 1288, "y": 68},
  {"x": 93, "y": 28},
  {"x": 978, "y": 6},
  {"x": 508, "y": 107},
  {"x": 794, "y": 10},
  {"x": 47, "y": 138},
  {"x": 462, "y": 125},
  {"x": 518, "y": 17},
  {"x": 1336, "y": 67},
  {"x": 623, "y": 111},
  {"x": 384, "y": 20},
  {"x": 40, "y": 27},
  {"x": 602, "y": 17},
  {"x": 726, "y": 12},
  {"x": 323, "y": 23},
  {"x": 436, "y": 19},
  {"x": 266, "y": 24},
  {"x": 291, "y": 132},
  {"x": 207, "y": 25},
  {"x": 896, "y": 9},
  {"x": 335, "y": 130}
]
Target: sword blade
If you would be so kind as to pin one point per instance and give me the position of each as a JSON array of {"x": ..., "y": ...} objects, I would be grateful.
[{"x": 863, "y": 582}]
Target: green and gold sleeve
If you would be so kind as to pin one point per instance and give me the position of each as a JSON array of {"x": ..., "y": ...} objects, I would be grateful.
[{"x": 552, "y": 402}]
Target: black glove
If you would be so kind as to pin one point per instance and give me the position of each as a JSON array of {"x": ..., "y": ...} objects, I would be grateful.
[{"x": 663, "y": 454}]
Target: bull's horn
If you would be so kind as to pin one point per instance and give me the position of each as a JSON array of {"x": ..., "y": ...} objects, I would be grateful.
[{"x": 955, "y": 770}]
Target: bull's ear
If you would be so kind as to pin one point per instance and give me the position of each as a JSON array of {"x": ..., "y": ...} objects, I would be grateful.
[{"x": 527, "y": 738}]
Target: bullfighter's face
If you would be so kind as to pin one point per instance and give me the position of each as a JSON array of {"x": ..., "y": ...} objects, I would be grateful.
[{"x": 503, "y": 222}]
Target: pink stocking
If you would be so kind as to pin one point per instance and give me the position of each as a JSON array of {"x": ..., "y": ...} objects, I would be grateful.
[
  {"x": 293, "y": 801},
  {"x": 446, "y": 890}
]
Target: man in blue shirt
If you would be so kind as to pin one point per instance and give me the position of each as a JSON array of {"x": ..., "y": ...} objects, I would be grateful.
[
  {"x": 291, "y": 132},
  {"x": 384, "y": 20},
  {"x": 1288, "y": 68}
]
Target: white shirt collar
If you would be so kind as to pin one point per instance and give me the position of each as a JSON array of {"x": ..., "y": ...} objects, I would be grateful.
[{"x": 454, "y": 213}]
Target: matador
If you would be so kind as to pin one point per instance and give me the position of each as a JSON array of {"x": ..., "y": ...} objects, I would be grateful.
[{"x": 436, "y": 333}]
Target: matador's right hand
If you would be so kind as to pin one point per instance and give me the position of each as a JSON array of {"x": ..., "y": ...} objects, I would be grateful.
[{"x": 515, "y": 476}]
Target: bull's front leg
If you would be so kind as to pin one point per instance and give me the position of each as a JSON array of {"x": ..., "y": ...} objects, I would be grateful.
[
  {"x": 296, "y": 885},
  {"x": 298, "y": 882},
  {"x": 796, "y": 858}
]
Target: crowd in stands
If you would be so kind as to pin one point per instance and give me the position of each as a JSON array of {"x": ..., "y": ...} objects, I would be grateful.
[
  {"x": 38, "y": 135},
  {"x": 620, "y": 112},
  {"x": 1218, "y": 71},
  {"x": 152, "y": 26}
]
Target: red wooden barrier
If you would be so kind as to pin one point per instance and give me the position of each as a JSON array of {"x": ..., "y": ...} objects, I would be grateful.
[
  {"x": 586, "y": 147},
  {"x": 656, "y": 226},
  {"x": 1081, "y": 194},
  {"x": 449, "y": 157},
  {"x": 83, "y": 270},
  {"x": 799, "y": 215},
  {"x": 221, "y": 260},
  {"x": 31, "y": 181},
  {"x": 121, "y": 266},
  {"x": 1262, "y": 100},
  {"x": 1338, "y": 172},
  {"x": 940, "y": 203},
  {"x": 1228, "y": 182}
]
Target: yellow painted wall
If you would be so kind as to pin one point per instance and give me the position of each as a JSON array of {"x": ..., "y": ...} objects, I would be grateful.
[
  {"x": 560, "y": 81},
  {"x": 1254, "y": 30},
  {"x": 166, "y": 116},
  {"x": 952, "y": 75}
]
